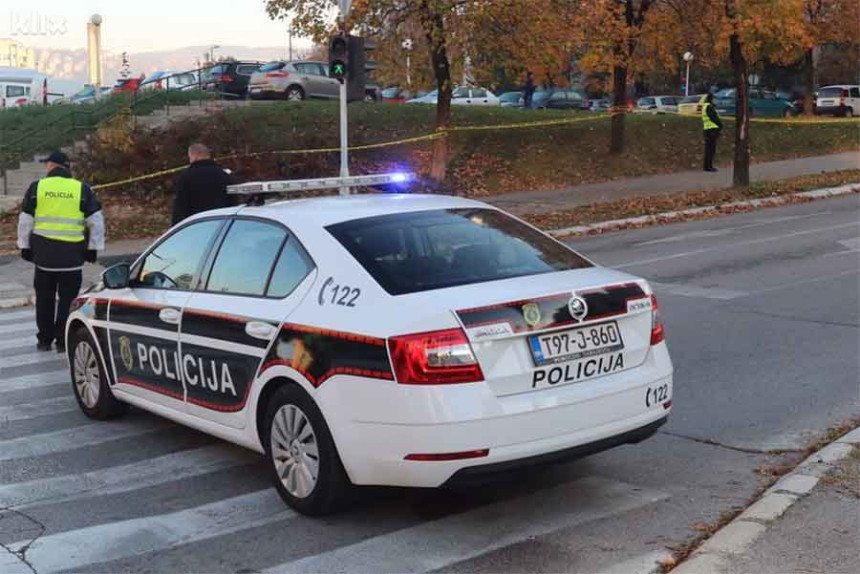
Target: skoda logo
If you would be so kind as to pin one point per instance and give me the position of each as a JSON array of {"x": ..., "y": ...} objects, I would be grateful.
[{"x": 577, "y": 307}]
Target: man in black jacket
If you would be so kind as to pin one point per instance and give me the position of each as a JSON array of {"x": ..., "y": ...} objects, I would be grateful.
[
  {"x": 201, "y": 187},
  {"x": 60, "y": 226}
]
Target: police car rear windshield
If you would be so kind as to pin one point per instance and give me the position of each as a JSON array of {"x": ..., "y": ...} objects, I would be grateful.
[{"x": 420, "y": 251}]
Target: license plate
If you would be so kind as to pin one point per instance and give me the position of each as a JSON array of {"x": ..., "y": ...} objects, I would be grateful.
[{"x": 572, "y": 344}]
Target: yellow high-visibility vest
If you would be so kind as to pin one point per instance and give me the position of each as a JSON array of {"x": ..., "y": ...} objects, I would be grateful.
[
  {"x": 709, "y": 125},
  {"x": 58, "y": 209}
]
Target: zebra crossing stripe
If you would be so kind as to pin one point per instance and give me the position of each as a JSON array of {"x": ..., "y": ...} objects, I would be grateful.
[
  {"x": 34, "y": 358},
  {"x": 29, "y": 326},
  {"x": 125, "y": 478},
  {"x": 55, "y": 405},
  {"x": 453, "y": 539},
  {"x": 11, "y": 316},
  {"x": 45, "y": 379},
  {"x": 117, "y": 540},
  {"x": 77, "y": 437}
]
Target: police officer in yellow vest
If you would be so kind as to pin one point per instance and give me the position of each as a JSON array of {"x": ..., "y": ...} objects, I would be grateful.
[
  {"x": 60, "y": 226},
  {"x": 713, "y": 126}
]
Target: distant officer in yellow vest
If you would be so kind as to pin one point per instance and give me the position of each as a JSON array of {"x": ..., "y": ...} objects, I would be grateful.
[
  {"x": 60, "y": 226},
  {"x": 713, "y": 126}
]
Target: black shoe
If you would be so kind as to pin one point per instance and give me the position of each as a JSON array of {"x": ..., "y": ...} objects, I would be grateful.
[
  {"x": 710, "y": 169},
  {"x": 43, "y": 346},
  {"x": 61, "y": 348}
]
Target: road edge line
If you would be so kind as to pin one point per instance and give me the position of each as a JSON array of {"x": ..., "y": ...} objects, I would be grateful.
[
  {"x": 740, "y": 533},
  {"x": 672, "y": 216}
]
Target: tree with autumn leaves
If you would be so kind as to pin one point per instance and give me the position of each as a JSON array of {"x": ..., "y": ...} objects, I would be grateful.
[{"x": 624, "y": 37}]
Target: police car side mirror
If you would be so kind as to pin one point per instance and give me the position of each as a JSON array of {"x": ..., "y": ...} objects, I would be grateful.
[{"x": 116, "y": 276}]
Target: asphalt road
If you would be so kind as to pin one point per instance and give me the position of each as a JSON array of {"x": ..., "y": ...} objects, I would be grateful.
[{"x": 762, "y": 313}]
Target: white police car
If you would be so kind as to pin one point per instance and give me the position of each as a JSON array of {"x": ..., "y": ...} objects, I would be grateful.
[{"x": 406, "y": 340}]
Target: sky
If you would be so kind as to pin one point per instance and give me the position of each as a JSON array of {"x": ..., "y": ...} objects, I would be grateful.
[{"x": 141, "y": 26}]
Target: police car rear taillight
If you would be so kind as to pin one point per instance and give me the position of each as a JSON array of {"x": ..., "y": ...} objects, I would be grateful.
[
  {"x": 657, "y": 330},
  {"x": 434, "y": 358}
]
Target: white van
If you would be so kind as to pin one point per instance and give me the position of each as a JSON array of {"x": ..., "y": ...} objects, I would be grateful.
[
  {"x": 839, "y": 101},
  {"x": 16, "y": 91}
]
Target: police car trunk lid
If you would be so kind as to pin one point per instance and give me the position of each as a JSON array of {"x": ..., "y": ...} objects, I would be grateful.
[{"x": 577, "y": 327}]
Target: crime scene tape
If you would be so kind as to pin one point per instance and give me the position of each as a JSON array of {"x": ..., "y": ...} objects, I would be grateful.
[{"x": 443, "y": 132}]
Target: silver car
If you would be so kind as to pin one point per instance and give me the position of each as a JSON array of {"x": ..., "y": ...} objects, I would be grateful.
[{"x": 297, "y": 80}]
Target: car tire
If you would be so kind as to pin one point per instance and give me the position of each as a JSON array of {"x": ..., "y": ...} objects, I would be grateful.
[
  {"x": 295, "y": 430},
  {"x": 849, "y": 112},
  {"x": 294, "y": 94},
  {"x": 786, "y": 113},
  {"x": 89, "y": 380}
]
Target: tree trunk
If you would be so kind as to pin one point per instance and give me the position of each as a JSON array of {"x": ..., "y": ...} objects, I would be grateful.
[
  {"x": 741, "y": 170},
  {"x": 808, "y": 82},
  {"x": 434, "y": 28},
  {"x": 619, "y": 108}
]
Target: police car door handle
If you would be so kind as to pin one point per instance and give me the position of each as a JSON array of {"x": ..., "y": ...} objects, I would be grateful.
[
  {"x": 260, "y": 330},
  {"x": 170, "y": 315}
]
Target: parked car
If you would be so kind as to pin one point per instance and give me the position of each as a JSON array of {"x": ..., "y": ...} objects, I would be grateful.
[
  {"x": 428, "y": 98},
  {"x": 559, "y": 99},
  {"x": 691, "y": 105},
  {"x": 16, "y": 92},
  {"x": 128, "y": 85},
  {"x": 658, "y": 104},
  {"x": 396, "y": 95},
  {"x": 230, "y": 78},
  {"x": 839, "y": 100},
  {"x": 87, "y": 95},
  {"x": 372, "y": 93},
  {"x": 167, "y": 80},
  {"x": 762, "y": 104},
  {"x": 600, "y": 104},
  {"x": 294, "y": 81},
  {"x": 511, "y": 100},
  {"x": 473, "y": 96}
]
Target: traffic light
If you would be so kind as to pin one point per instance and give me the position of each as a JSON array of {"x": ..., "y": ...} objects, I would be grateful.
[
  {"x": 338, "y": 57},
  {"x": 358, "y": 67}
]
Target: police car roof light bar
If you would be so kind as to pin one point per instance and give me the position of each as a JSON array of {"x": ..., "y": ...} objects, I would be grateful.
[{"x": 300, "y": 185}]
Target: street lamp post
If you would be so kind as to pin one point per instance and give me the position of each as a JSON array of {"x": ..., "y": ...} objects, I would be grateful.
[
  {"x": 94, "y": 56},
  {"x": 407, "y": 45},
  {"x": 688, "y": 57},
  {"x": 212, "y": 52}
]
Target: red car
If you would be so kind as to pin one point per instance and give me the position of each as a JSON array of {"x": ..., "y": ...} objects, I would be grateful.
[{"x": 127, "y": 85}]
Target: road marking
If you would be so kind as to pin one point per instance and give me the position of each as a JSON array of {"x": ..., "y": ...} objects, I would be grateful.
[
  {"x": 76, "y": 437},
  {"x": 698, "y": 292},
  {"x": 17, "y": 342},
  {"x": 727, "y": 230},
  {"x": 125, "y": 478},
  {"x": 117, "y": 540},
  {"x": 805, "y": 282},
  {"x": 732, "y": 245},
  {"x": 853, "y": 244},
  {"x": 41, "y": 408},
  {"x": 34, "y": 358},
  {"x": 453, "y": 539},
  {"x": 19, "y": 327},
  {"x": 13, "y": 315},
  {"x": 45, "y": 379}
]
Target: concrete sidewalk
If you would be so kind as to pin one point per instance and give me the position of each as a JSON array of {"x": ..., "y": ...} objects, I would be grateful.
[
  {"x": 806, "y": 522},
  {"x": 16, "y": 275},
  {"x": 547, "y": 201}
]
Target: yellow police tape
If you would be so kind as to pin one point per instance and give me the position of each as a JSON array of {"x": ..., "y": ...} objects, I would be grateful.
[{"x": 442, "y": 132}]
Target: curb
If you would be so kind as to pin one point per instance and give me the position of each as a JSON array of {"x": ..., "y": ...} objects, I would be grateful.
[
  {"x": 670, "y": 216},
  {"x": 739, "y": 534}
]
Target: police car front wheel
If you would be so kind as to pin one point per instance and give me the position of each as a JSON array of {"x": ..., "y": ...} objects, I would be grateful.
[
  {"x": 306, "y": 468},
  {"x": 89, "y": 380}
]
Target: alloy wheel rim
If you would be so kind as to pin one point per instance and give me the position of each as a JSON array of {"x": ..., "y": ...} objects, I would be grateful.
[
  {"x": 87, "y": 377},
  {"x": 295, "y": 451},
  {"x": 294, "y": 95}
]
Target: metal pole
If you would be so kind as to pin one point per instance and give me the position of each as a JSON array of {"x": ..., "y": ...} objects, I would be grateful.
[
  {"x": 290, "y": 40},
  {"x": 687, "y": 87},
  {"x": 408, "y": 71},
  {"x": 344, "y": 154}
]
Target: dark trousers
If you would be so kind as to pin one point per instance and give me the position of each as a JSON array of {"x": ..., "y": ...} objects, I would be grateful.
[
  {"x": 55, "y": 291},
  {"x": 711, "y": 137}
]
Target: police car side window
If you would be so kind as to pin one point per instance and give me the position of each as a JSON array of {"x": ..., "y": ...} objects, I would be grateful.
[
  {"x": 294, "y": 264},
  {"x": 176, "y": 262},
  {"x": 245, "y": 258}
]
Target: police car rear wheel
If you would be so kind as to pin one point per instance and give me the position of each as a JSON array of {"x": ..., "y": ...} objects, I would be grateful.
[
  {"x": 89, "y": 380},
  {"x": 303, "y": 459}
]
